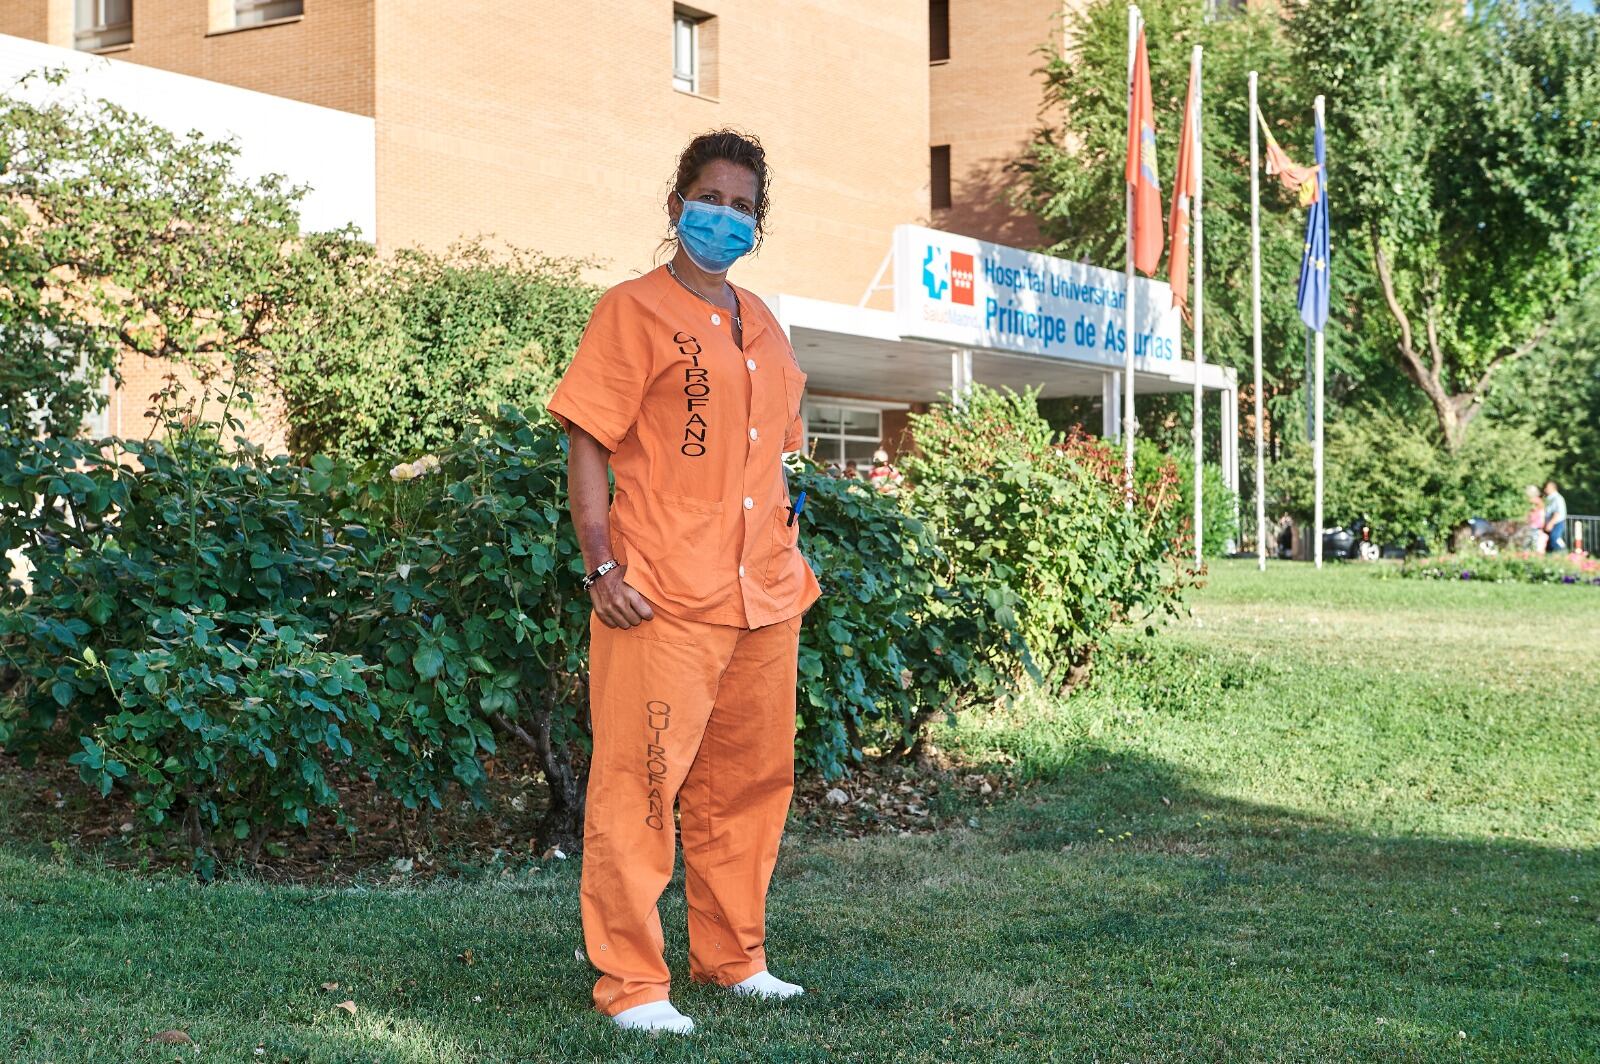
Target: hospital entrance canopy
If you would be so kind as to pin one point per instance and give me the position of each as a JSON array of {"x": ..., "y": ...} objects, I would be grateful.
[{"x": 967, "y": 310}]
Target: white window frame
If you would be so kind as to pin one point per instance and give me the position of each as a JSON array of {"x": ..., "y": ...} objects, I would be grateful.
[
  {"x": 245, "y": 12},
  {"x": 98, "y": 34},
  {"x": 840, "y": 438},
  {"x": 98, "y": 424},
  {"x": 686, "y": 82}
]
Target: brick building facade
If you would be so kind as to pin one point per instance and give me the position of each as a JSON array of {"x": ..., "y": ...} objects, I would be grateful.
[{"x": 557, "y": 128}]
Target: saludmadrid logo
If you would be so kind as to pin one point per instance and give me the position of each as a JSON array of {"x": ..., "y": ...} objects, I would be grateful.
[{"x": 948, "y": 272}]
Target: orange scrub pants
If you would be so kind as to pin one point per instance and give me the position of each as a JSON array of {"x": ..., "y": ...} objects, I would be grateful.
[{"x": 704, "y": 714}]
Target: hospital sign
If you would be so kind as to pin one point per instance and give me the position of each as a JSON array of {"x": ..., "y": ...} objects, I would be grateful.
[{"x": 981, "y": 295}]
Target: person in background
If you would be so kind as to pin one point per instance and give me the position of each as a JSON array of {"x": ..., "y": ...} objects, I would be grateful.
[
  {"x": 1285, "y": 536},
  {"x": 1536, "y": 532},
  {"x": 1555, "y": 518},
  {"x": 851, "y": 470},
  {"x": 884, "y": 477}
]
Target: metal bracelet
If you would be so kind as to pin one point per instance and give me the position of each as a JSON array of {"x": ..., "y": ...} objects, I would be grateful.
[{"x": 594, "y": 577}]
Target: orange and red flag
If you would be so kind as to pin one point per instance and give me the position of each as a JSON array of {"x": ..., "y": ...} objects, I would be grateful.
[
  {"x": 1183, "y": 190},
  {"x": 1141, "y": 169},
  {"x": 1294, "y": 177}
]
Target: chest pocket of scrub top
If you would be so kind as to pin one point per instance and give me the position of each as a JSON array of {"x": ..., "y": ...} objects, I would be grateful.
[
  {"x": 786, "y": 537},
  {"x": 794, "y": 390}
]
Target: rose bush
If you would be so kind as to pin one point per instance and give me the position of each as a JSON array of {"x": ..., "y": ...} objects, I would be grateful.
[{"x": 1021, "y": 510}]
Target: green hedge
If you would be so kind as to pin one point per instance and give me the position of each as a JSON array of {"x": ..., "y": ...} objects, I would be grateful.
[
  {"x": 899, "y": 633},
  {"x": 177, "y": 635},
  {"x": 1219, "y": 505},
  {"x": 392, "y": 356},
  {"x": 1043, "y": 517},
  {"x": 1396, "y": 473},
  {"x": 235, "y": 639}
]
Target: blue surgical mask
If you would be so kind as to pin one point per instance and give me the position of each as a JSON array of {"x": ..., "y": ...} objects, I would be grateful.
[{"x": 714, "y": 237}]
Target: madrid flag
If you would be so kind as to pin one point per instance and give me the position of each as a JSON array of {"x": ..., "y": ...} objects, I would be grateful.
[
  {"x": 1141, "y": 169},
  {"x": 1183, "y": 189}
]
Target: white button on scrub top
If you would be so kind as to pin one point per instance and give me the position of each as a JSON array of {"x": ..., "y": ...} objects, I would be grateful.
[
  {"x": 748, "y": 502},
  {"x": 750, "y": 364},
  {"x": 716, "y": 319},
  {"x": 741, "y": 570},
  {"x": 752, "y": 434}
]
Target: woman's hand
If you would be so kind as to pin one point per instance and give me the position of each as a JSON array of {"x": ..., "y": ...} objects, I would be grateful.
[{"x": 617, "y": 604}]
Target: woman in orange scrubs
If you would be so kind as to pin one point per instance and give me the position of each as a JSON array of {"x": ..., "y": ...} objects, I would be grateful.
[{"x": 686, "y": 387}]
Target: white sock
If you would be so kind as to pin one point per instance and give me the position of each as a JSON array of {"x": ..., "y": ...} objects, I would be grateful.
[
  {"x": 654, "y": 1016},
  {"x": 766, "y": 985}
]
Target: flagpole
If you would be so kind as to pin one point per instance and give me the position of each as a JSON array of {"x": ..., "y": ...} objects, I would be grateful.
[
  {"x": 1316, "y": 447},
  {"x": 1199, "y": 309},
  {"x": 1128, "y": 299},
  {"x": 1255, "y": 323}
]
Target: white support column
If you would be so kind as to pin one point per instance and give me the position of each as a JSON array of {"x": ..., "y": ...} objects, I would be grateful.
[
  {"x": 1231, "y": 444},
  {"x": 1226, "y": 418},
  {"x": 1230, "y": 450},
  {"x": 1238, "y": 518},
  {"x": 1111, "y": 405},
  {"x": 960, "y": 373}
]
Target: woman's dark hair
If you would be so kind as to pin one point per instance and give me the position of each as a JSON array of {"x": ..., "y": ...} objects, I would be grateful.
[{"x": 727, "y": 145}]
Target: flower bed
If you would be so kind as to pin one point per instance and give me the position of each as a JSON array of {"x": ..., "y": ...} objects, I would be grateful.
[{"x": 1523, "y": 567}]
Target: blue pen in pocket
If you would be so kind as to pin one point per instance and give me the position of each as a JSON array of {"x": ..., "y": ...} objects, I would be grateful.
[{"x": 795, "y": 508}]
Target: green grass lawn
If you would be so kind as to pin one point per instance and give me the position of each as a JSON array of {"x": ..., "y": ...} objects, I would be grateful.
[{"x": 1327, "y": 816}]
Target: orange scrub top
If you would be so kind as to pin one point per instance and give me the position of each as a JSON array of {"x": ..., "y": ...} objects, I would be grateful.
[{"x": 696, "y": 429}]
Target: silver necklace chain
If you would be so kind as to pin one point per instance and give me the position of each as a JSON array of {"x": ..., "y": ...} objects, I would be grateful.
[{"x": 734, "y": 313}]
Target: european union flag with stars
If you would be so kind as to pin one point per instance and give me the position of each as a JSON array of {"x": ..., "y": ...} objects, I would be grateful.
[{"x": 1314, "y": 260}]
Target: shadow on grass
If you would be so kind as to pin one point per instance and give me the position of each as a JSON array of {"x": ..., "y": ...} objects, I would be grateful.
[
  {"x": 1114, "y": 911},
  {"x": 1224, "y": 929}
]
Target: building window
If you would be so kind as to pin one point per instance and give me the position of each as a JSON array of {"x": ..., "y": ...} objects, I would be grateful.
[
  {"x": 939, "y": 176},
  {"x": 938, "y": 30},
  {"x": 255, "y": 12},
  {"x": 97, "y": 425},
  {"x": 694, "y": 51},
  {"x": 685, "y": 61},
  {"x": 841, "y": 434},
  {"x": 101, "y": 24}
]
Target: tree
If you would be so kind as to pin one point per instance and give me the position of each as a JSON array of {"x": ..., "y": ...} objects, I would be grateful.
[
  {"x": 1073, "y": 174},
  {"x": 1464, "y": 157},
  {"x": 1555, "y": 391},
  {"x": 50, "y": 358},
  {"x": 120, "y": 237},
  {"x": 393, "y": 357},
  {"x": 1391, "y": 468}
]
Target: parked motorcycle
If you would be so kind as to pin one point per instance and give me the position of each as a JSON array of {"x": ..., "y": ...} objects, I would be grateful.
[{"x": 1351, "y": 543}]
